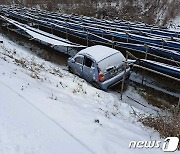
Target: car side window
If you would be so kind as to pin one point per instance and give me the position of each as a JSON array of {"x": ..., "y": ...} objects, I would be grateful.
[
  {"x": 79, "y": 60},
  {"x": 88, "y": 62}
]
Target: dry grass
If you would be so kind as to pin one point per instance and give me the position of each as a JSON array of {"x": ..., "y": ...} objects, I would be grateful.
[
  {"x": 158, "y": 12},
  {"x": 20, "y": 62},
  {"x": 167, "y": 126}
]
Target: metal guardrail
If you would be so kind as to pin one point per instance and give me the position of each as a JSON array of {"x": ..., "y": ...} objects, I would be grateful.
[{"x": 151, "y": 70}]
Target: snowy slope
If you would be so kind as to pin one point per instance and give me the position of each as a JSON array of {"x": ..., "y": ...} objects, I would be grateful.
[
  {"x": 45, "y": 109},
  {"x": 24, "y": 128}
]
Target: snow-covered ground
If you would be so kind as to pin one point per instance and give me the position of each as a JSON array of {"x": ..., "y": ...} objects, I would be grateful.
[
  {"x": 46, "y": 110},
  {"x": 175, "y": 26}
]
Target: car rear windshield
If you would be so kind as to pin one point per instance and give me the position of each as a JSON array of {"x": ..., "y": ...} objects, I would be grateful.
[{"x": 113, "y": 60}]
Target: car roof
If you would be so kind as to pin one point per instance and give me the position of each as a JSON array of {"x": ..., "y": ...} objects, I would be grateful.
[{"x": 98, "y": 52}]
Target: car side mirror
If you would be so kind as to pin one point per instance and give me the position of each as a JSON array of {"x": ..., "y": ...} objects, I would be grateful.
[{"x": 73, "y": 61}]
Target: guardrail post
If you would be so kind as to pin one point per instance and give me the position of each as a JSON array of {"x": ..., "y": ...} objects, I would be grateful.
[
  {"x": 164, "y": 42},
  {"x": 146, "y": 46},
  {"x": 127, "y": 37},
  {"x": 87, "y": 39},
  {"x": 66, "y": 34},
  {"x": 124, "y": 77},
  {"x": 129, "y": 25},
  {"x": 146, "y": 51},
  {"x": 7, "y": 27},
  {"x": 102, "y": 34}
]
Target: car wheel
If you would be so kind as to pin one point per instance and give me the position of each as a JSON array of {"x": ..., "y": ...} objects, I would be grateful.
[
  {"x": 70, "y": 69},
  {"x": 95, "y": 84}
]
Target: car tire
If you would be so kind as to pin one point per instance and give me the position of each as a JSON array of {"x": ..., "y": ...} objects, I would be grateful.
[
  {"x": 70, "y": 69},
  {"x": 95, "y": 84}
]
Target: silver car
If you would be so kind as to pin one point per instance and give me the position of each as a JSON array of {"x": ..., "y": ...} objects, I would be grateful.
[{"x": 102, "y": 66}]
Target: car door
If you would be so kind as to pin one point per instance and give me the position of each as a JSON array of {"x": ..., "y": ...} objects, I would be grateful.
[
  {"x": 78, "y": 65},
  {"x": 89, "y": 69}
]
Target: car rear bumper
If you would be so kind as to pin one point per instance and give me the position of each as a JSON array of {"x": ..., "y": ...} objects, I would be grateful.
[{"x": 115, "y": 80}]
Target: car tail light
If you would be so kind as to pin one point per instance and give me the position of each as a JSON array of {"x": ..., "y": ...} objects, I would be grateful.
[{"x": 101, "y": 77}]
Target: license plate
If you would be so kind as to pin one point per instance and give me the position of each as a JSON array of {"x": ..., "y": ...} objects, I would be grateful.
[{"x": 116, "y": 71}]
